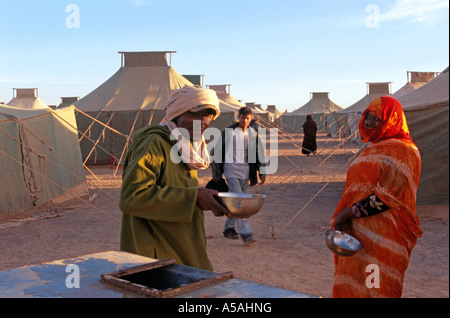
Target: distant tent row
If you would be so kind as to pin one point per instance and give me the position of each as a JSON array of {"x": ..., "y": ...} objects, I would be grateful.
[
  {"x": 40, "y": 158},
  {"x": 136, "y": 95},
  {"x": 318, "y": 105}
]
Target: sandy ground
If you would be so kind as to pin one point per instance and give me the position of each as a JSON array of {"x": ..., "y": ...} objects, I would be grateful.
[{"x": 290, "y": 251}]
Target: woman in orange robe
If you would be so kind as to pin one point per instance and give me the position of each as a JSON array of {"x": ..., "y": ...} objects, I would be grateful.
[{"x": 378, "y": 206}]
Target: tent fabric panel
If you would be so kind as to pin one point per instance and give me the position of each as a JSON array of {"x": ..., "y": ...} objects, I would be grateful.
[
  {"x": 21, "y": 113},
  {"x": 98, "y": 134},
  {"x": 126, "y": 123},
  {"x": 14, "y": 194},
  {"x": 28, "y": 103},
  {"x": 68, "y": 148},
  {"x": 432, "y": 141},
  {"x": 136, "y": 59},
  {"x": 42, "y": 158},
  {"x": 379, "y": 88},
  {"x": 38, "y": 174},
  {"x": 132, "y": 88}
]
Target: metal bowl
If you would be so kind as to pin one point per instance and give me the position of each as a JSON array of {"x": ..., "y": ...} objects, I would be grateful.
[
  {"x": 241, "y": 205},
  {"x": 342, "y": 244}
]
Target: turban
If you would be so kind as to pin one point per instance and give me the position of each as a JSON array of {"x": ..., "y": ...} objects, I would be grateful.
[
  {"x": 194, "y": 99},
  {"x": 191, "y": 98},
  {"x": 392, "y": 121}
]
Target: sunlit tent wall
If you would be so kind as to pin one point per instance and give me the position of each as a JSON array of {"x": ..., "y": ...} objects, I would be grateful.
[
  {"x": 318, "y": 106},
  {"x": 134, "y": 97},
  {"x": 349, "y": 117},
  {"x": 40, "y": 158},
  {"x": 27, "y": 98},
  {"x": 426, "y": 111}
]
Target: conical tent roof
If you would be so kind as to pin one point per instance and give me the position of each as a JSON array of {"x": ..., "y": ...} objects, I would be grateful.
[
  {"x": 415, "y": 81},
  {"x": 134, "y": 97},
  {"x": 374, "y": 90},
  {"x": 27, "y": 98},
  {"x": 319, "y": 103},
  {"x": 144, "y": 81},
  {"x": 434, "y": 92},
  {"x": 223, "y": 93}
]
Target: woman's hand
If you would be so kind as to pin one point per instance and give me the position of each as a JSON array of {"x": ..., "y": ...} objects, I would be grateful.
[
  {"x": 206, "y": 201},
  {"x": 342, "y": 220}
]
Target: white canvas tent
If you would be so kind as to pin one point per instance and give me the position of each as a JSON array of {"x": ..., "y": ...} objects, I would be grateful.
[
  {"x": 27, "y": 98},
  {"x": 318, "y": 105},
  {"x": 40, "y": 158},
  {"x": 134, "y": 97},
  {"x": 427, "y": 113}
]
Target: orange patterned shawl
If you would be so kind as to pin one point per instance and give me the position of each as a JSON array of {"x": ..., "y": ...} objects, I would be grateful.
[{"x": 389, "y": 167}]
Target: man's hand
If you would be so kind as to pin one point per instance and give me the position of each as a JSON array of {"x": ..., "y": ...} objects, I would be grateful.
[{"x": 206, "y": 201}]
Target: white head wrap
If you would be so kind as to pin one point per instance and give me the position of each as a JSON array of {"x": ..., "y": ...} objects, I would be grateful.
[
  {"x": 191, "y": 98},
  {"x": 194, "y": 99}
]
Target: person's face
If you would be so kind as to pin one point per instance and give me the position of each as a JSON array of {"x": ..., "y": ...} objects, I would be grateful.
[
  {"x": 371, "y": 121},
  {"x": 244, "y": 121},
  {"x": 195, "y": 122}
]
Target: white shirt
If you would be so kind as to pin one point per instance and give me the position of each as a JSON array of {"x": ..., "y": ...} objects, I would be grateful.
[{"x": 236, "y": 157}]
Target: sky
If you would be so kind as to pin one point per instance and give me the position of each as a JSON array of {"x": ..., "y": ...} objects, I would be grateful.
[{"x": 271, "y": 52}]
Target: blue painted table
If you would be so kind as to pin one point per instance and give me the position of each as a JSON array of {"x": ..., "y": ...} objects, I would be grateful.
[{"x": 56, "y": 279}]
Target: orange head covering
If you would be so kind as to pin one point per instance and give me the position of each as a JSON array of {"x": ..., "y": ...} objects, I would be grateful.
[{"x": 393, "y": 122}]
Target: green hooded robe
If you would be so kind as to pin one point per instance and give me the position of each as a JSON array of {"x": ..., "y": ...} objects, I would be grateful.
[{"x": 158, "y": 200}]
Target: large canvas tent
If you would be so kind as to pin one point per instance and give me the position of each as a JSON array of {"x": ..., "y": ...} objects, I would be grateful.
[
  {"x": 134, "y": 97},
  {"x": 426, "y": 111},
  {"x": 318, "y": 105},
  {"x": 40, "y": 158},
  {"x": 27, "y": 98}
]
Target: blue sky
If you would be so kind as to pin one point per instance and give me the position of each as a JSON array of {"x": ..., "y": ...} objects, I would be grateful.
[{"x": 270, "y": 51}]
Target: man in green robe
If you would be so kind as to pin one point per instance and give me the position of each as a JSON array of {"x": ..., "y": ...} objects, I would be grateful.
[{"x": 160, "y": 199}]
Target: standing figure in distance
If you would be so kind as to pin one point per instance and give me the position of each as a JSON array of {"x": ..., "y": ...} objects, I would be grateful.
[{"x": 309, "y": 144}]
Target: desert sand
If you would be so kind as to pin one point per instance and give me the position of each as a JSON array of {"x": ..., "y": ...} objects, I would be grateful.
[{"x": 290, "y": 250}]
